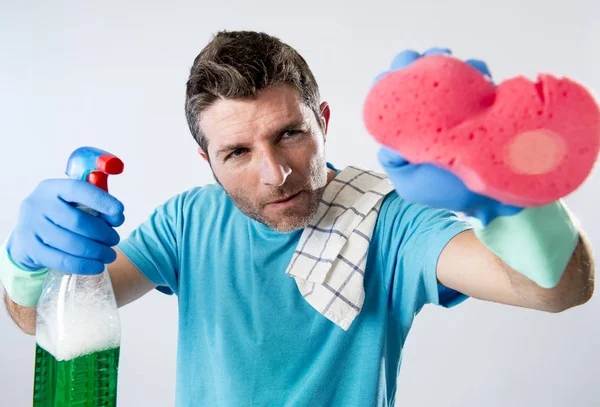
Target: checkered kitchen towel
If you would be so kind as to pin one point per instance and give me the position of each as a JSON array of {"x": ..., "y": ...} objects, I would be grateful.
[{"x": 329, "y": 262}]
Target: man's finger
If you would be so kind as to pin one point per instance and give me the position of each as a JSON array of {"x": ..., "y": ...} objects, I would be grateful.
[
  {"x": 437, "y": 51},
  {"x": 89, "y": 195},
  {"x": 480, "y": 66},
  {"x": 389, "y": 157},
  {"x": 404, "y": 59},
  {"x": 381, "y": 75}
]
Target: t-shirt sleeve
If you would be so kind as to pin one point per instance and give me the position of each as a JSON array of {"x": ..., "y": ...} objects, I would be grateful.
[
  {"x": 153, "y": 246},
  {"x": 414, "y": 236}
]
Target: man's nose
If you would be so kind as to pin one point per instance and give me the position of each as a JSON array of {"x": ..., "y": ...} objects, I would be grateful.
[{"x": 273, "y": 170}]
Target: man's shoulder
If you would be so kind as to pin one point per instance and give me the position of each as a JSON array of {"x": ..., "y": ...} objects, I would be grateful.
[
  {"x": 202, "y": 199},
  {"x": 396, "y": 211},
  {"x": 205, "y": 194}
]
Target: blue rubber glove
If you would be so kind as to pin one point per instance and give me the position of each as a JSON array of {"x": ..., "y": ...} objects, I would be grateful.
[
  {"x": 52, "y": 233},
  {"x": 429, "y": 184}
]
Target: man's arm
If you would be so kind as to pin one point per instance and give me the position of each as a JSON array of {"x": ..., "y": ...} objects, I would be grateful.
[
  {"x": 128, "y": 284},
  {"x": 468, "y": 266},
  {"x": 23, "y": 317}
]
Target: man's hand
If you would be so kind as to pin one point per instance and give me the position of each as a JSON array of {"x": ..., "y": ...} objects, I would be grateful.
[
  {"x": 466, "y": 264},
  {"x": 429, "y": 184},
  {"x": 52, "y": 233}
]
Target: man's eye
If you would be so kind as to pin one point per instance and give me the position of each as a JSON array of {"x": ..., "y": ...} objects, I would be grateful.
[
  {"x": 238, "y": 152},
  {"x": 291, "y": 133}
]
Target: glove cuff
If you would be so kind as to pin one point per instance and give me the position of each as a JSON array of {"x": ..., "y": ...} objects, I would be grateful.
[
  {"x": 537, "y": 242},
  {"x": 23, "y": 286}
]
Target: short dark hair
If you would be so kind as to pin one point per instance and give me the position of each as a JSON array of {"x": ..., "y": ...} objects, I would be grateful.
[{"x": 238, "y": 65}]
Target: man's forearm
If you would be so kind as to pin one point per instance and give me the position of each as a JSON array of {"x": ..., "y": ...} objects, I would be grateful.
[
  {"x": 24, "y": 317},
  {"x": 575, "y": 287}
]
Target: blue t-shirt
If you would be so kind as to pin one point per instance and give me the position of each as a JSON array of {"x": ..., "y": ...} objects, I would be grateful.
[{"x": 246, "y": 335}]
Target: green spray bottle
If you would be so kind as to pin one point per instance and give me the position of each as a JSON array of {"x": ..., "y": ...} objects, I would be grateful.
[{"x": 78, "y": 332}]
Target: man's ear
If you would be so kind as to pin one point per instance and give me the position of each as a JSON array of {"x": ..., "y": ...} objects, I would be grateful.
[
  {"x": 203, "y": 155},
  {"x": 325, "y": 113}
]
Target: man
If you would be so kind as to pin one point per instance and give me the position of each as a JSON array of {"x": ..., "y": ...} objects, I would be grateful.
[{"x": 248, "y": 334}]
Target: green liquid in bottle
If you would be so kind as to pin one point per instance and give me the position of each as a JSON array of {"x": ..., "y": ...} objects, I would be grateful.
[{"x": 86, "y": 381}]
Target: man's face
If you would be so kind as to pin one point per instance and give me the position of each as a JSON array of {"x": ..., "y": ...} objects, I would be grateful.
[{"x": 268, "y": 154}]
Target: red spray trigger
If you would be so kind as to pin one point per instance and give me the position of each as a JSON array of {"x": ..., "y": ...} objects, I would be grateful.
[
  {"x": 94, "y": 166},
  {"x": 99, "y": 179},
  {"x": 109, "y": 164}
]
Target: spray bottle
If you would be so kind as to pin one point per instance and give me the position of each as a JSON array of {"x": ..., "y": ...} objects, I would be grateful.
[{"x": 78, "y": 332}]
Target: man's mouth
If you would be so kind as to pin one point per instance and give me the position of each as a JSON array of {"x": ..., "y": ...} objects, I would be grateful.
[{"x": 285, "y": 200}]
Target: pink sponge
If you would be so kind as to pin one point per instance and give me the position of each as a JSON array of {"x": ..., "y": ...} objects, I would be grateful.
[{"x": 522, "y": 143}]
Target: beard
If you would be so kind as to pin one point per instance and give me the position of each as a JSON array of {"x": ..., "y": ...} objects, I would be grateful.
[{"x": 292, "y": 218}]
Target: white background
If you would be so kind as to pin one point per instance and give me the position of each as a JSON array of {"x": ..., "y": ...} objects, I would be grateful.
[{"x": 113, "y": 74}]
